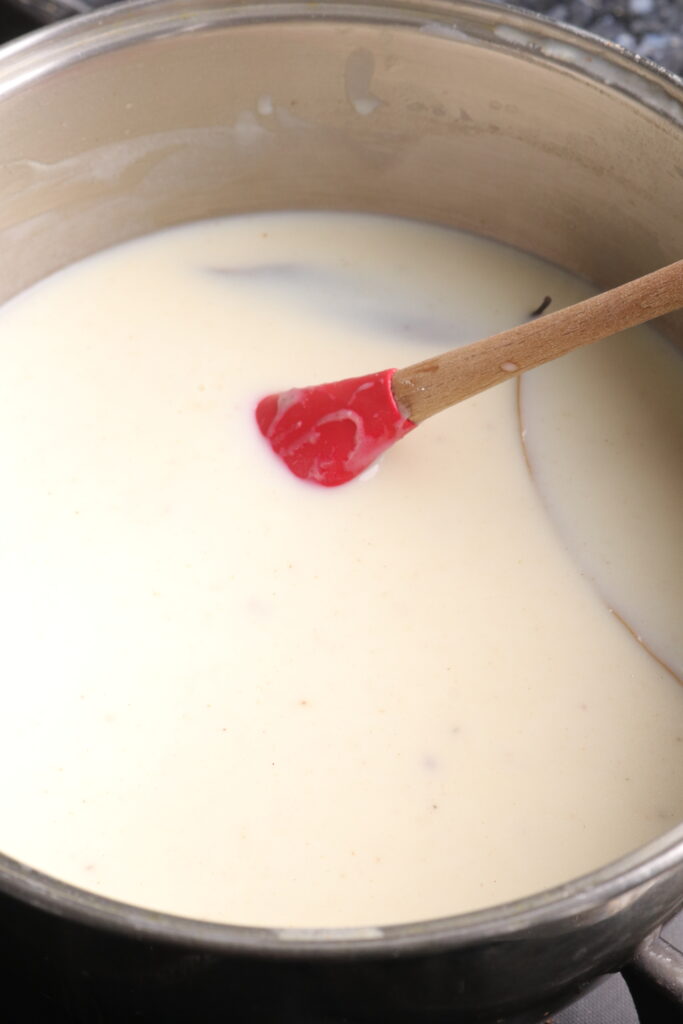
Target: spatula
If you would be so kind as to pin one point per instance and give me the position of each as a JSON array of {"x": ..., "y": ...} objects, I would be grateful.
[{"x": 330, "y": 433}]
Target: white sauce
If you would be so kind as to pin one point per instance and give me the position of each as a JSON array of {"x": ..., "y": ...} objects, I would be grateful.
[{"x": 234, "y": 696}]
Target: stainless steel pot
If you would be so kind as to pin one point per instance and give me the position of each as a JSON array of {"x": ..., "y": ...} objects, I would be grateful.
[{"x": 463, "y": 113}]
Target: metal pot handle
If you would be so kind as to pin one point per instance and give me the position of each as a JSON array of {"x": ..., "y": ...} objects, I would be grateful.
[{"x": 655, "y": 980}]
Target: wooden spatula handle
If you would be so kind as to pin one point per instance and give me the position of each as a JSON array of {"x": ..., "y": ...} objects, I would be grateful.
[{"x": 430, "y": 386}]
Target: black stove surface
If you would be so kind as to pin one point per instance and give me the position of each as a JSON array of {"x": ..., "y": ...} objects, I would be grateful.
[
  {"x": 611, "y": 1002},
  {"x": 13, "y": 23},
  {"x": 653, "y": 28}
]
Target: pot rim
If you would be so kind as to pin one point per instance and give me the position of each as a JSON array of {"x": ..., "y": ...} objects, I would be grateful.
[
  {"x": 477, "y": 22},
  {"x": 526, "y": 34},
  {"x": 597, "y": 894}
]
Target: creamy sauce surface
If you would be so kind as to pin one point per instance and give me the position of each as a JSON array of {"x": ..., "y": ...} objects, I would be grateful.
[{"x": 233, "y": 696}]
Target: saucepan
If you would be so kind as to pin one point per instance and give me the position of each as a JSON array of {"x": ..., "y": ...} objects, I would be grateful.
[{"x": 469, "y": 114}]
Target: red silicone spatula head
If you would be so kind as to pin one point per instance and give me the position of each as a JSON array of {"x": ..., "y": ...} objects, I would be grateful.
[{"x": 330, "y": 433}]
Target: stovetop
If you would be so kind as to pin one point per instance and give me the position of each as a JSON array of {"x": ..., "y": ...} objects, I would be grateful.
[
  {"x": 652, "y": 28},
  {"x": 611, "y": 1002}
]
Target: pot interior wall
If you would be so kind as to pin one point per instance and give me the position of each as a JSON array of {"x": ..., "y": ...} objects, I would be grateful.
[{"x": 322, "y": 114}]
